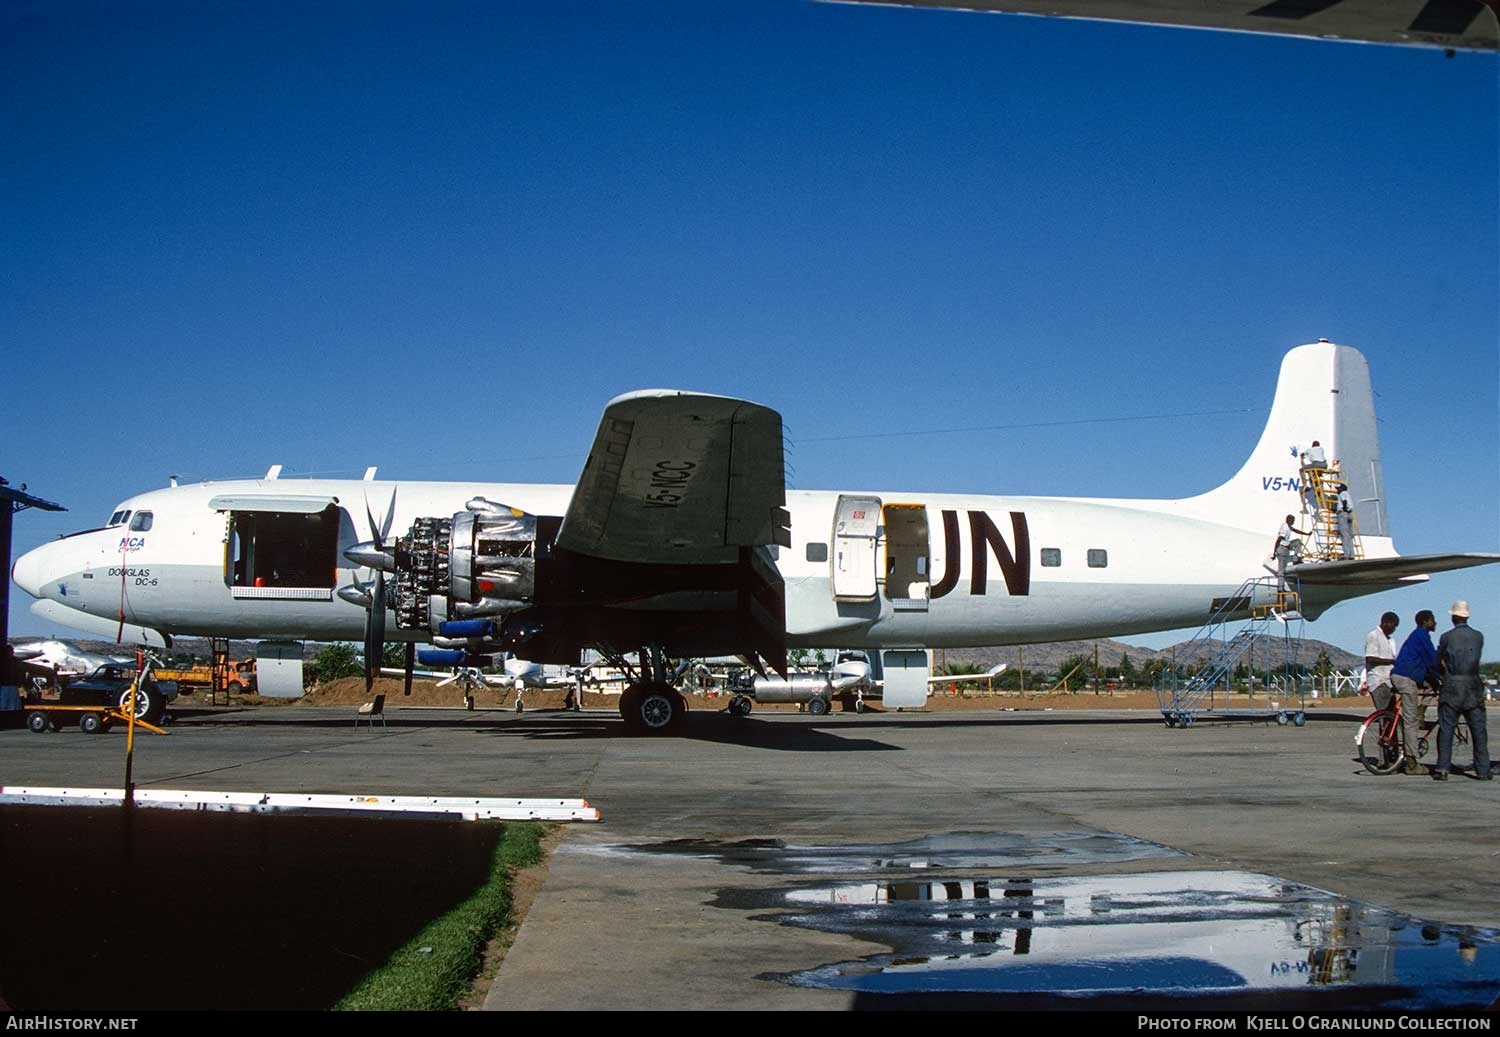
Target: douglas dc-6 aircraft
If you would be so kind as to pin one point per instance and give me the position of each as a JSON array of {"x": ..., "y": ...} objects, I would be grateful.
[{"x": 680, "y": 540}]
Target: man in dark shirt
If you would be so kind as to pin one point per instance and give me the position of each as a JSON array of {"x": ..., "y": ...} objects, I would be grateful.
[
  {"x": 1458, "y": 656},
  {"x": 1408, "y": 676}
]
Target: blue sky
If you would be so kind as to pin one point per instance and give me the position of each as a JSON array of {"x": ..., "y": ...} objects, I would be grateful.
[{"x": 438, "y": 238}]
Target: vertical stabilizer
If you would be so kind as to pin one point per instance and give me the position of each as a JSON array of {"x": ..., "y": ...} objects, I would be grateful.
[{"x": 1323, "y": 394}]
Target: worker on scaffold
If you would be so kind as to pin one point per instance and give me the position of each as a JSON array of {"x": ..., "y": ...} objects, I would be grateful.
[
  {"x": 1344, "y": 513},
  {"x": 1287, "y": 548},
  {"x": 1315, "y": 459}
]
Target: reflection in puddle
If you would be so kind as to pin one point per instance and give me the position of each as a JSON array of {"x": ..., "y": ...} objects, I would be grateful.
[
  {"x": 947, "y": 851},
  {"x": 1166, "y": 933}
]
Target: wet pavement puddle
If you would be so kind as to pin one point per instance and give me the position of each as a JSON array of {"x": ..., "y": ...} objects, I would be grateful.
[
  {"x": 1202, "y": 939},
  {"x": 946, "y": 851},
  {"x": 1164, "y": 933}
]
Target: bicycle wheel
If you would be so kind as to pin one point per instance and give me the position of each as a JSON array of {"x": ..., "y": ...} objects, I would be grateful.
[{"x": 1378, "y": 743}]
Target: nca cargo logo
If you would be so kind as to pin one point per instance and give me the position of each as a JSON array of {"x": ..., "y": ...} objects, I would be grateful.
[{"x": 132, "y": 543}]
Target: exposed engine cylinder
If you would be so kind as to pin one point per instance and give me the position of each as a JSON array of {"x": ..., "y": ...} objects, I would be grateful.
[{"x": 480, "y": 562}]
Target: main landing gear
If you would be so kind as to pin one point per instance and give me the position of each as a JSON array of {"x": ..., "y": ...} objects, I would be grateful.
[{"x": 650, "y": 705}]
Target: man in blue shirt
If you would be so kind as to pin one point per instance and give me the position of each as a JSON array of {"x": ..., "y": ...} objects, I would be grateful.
[{"x": 1416, "y": 658}]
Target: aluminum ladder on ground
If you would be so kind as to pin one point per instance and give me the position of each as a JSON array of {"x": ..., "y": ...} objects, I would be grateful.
[{"x": 1268, "y": 609}]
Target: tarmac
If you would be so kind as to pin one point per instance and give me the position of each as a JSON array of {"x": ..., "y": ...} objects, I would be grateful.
[{"x": 747, "y": 863}]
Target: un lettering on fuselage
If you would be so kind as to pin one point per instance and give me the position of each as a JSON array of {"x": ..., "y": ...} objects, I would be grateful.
[{"x": 985, "y": 539}]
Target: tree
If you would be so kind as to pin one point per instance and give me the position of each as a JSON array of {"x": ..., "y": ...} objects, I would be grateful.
[
  {"x": 806, "y": 659},
  {"x": 335, "y": 661},
  {"x": 1082, "y": 664},
  {"x": 959, "y": 668},
  {"x": 1324, "y": 665},
  {"x": 1154, "y": 668},
  {"x": 1127, "y": 671}
]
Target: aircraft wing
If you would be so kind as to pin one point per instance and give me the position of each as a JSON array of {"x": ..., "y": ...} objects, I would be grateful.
[
  {"x": 679, "y": 478},
  {"x": 1460, "y": 24},
  {"x": 493, "y": 680},
  {"x": 1384, "y": 570}
]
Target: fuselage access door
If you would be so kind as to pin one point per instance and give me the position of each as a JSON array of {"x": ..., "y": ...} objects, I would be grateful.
[{"x": 856, "y": 537}]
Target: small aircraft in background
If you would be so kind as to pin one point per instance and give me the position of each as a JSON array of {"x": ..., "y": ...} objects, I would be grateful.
[
  {"x": 517, "y": 674},
  {"x": 968, "y": 678},
  {"x": 60, "y": 662}
]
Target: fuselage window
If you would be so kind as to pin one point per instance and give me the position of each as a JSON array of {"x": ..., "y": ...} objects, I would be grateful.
[
  {"x": 1098, "y": 558},
  {"x": 817, "y": 552},
  {"x": 141, "y": 523},
  {"x": 1052, "y": 556}
]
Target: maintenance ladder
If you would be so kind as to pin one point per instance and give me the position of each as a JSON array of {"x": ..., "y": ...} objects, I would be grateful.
[
  {"x": 1270, "y": 611},
  {"x": 1326, "y": 545}
]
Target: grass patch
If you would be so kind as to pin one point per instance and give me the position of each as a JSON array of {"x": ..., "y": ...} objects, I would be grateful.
[{"x": 437, "y": 978}]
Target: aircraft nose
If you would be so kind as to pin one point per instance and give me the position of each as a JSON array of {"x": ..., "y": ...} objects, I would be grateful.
[{"x": 33, "y": 570}]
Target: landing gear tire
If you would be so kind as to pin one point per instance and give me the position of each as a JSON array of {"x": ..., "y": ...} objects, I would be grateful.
[
  {"x": 817, "y": 706},
  {"x": 469, "y": 702},
  {"x": 149, "y": 703},
  {"x": 652, "y": 709},
  {"x": 1299, "y": 719},
  {"x": 37, "y": 721},
  {"x": 741, "y": 705},
  {"x": 91, "y": 723},
  {"x": 859, "y": 705}
]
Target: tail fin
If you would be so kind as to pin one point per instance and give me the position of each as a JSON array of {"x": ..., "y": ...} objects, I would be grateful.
[{"x": 1323, "y": 394}]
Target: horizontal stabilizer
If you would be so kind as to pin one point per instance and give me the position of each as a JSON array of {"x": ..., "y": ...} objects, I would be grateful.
[{"x": 1384, "y": 570}]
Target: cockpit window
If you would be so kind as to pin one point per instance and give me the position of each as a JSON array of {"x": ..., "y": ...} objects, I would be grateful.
[
  {"x": 141, "y": 522},
  {"x": 118, "y": 518}
]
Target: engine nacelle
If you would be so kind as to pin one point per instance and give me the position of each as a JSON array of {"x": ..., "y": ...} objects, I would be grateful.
[{"x": 480, "y": 563}]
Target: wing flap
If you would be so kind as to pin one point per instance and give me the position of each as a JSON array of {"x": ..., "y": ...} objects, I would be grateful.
[
  {"x": 1384, "y": 570},
  {"x": 679, "y": 478}
]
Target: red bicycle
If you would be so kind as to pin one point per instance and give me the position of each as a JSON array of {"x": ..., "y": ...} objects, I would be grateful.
[{"x": 1379, "y": 744}]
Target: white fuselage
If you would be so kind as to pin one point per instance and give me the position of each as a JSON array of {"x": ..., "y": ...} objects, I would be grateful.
[{"x": 1044, "y": 568}]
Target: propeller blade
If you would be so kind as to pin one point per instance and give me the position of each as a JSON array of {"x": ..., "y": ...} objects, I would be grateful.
[
  {"x": 381, "y": 530},
  {"x": 411, "y": 659},
  {"x": 375, "y": 630},
  {"x": 356, "y": 594}
]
